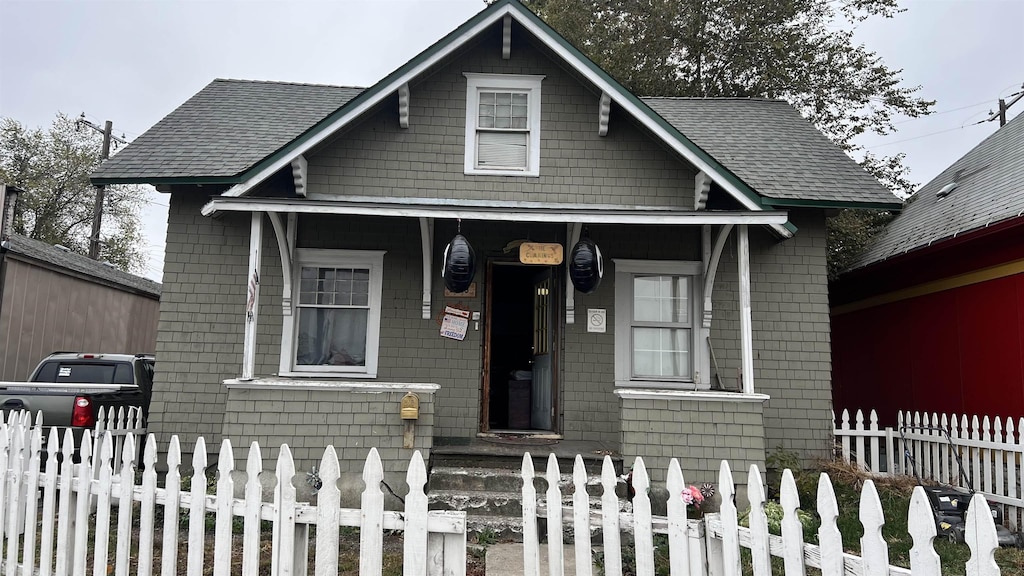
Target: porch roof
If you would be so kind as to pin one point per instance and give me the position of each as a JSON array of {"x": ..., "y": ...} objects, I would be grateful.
[{"x": 493, "y": 211}]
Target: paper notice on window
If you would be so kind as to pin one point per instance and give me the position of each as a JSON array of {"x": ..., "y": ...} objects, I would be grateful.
[
  {"x": 454, "y": 327},
  {"x": 64, "y": 372}
]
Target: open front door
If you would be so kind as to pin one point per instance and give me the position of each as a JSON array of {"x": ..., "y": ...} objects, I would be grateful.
[
  {"x": 542, "y": 406},
  {"x": 520, "y": 376}
]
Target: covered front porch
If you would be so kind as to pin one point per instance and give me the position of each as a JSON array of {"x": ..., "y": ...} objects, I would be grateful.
[{"x": 599, "y": 389}]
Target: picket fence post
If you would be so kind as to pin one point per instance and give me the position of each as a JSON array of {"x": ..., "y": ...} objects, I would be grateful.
[
  {"x": 65, "y": 507},
  {"x": 678, "y": 545},
  {"x": 126, "y": 490},
  {"x": 328, "y": 499},
  {"x": 556, "y": 563},
  {"x": 197, "y": 509},
  {"x": 415, "y": 544},
  {"x": 49, "y": 505},
  {"x": 531, "y": 537},
  {"x": 172, "y": 492},
  {"x": 610, "y": 519},
  {"x": 581, "y": 518},
  {"x": 147, "y": 508},
  {"x": 224, "y": 499},
  {"x": 981, "y": 538},
  {"x": 792, "y": 529},
  {"x": 924, "y": 561},
  {"x": 251, "y": 510}
]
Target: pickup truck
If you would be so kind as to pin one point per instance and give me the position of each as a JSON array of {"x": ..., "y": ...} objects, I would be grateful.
[{"x": 70, "y": 388}]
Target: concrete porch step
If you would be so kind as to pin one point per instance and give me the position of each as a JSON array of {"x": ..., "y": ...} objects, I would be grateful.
[{"x": 507, "y": 480}]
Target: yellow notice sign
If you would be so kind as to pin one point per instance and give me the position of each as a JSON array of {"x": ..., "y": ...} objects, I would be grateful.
[{"x": 540, "y": 253}]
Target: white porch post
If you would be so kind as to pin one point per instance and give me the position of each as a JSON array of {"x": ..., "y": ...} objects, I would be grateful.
[
  {"x": 746, "y": 332},
  {"x": 572, "y": 236},
  {"x": 427, "y": 246},
  {"x": 252, "y": 303}
]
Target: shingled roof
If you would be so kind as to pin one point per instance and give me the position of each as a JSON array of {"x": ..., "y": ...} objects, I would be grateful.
[
  {"x": 226, "y": 128},
  {"x": 74, "y": 262},
  {"x": 231, "y": 125},
  {"x": 989, "y": 188},
  {"x": 771, "y": 147},
  {"x": 759, "y": 151}
]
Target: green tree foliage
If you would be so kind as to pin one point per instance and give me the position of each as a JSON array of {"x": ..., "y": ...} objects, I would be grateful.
[
  {"x": 52, "y": 166},
  {"x": 848, "y": 234},
  {"x": 802, "y": 51}
]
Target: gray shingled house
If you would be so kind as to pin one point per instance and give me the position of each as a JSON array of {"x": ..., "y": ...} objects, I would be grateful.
[{"x": 302, "y": 289}]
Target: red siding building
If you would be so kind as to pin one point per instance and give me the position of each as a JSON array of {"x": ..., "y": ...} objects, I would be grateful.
[{"x": 931, "y": 318}]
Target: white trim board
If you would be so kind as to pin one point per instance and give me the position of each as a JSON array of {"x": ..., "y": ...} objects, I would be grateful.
[
  {"x": 616, "y": 93},
  {"x": 702, "y": 395},
  {"x": 330, "y": 385},
  {"x": 507, "y": 213}
]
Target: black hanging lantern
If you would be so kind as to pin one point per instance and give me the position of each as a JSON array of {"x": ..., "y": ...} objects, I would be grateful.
[
  {"x": 459, "y": 265},
  {"x": 586, "y": 267}
]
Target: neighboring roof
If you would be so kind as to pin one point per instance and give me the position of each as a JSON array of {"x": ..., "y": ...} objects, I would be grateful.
[
  {"x": 62, "y": 258},
  {"x": 224, "y": 130},
  {"x": 989, "y": 188},
  {"x": 771, "y": 147},
  {"x": 750, "y": 140}
]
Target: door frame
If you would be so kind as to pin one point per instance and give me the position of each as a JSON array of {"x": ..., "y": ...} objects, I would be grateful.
[{"x": 558, "y": 286}]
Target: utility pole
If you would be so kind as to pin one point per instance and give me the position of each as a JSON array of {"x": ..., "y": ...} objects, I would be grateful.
[
  {"x": 97, "y": 210},
  {"x": 1003, "y": 107}
]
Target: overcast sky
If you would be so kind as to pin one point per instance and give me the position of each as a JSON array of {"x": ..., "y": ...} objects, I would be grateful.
[{"x": 134, "y": 62}]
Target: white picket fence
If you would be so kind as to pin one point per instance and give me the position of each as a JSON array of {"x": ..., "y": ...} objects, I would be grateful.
[
  {"x": 991, "y": 450},
  {"x": 713, "y": 549},
  {"x": 60, "y": 536}
]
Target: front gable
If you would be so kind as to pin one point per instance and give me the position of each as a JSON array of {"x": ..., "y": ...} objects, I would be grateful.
[
  {"x": 509, "y": 20},
  {"x": 376, "y": 157}
]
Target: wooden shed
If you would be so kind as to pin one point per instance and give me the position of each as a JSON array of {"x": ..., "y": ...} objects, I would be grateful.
[{"x": 54, "y": 299}]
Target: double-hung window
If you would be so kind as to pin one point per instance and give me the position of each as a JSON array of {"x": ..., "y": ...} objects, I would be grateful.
[
  {"x": 337, "y": 311},
  {"x": 656, "y": 332},
  {"x": 503, "y": 124}
]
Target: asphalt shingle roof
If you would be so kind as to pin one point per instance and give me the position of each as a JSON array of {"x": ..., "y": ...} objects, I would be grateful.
[
  {"x": 226, "y": 128},
  {"x": 989, "y": 189},
  {"x": 771, "y": 147},
  {"x": 231, "y": 125},
  {"x": 36, "y": 250}
]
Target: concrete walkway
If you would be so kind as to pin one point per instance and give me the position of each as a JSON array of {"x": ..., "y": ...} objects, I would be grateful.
[{"x": 507, "y": 559}]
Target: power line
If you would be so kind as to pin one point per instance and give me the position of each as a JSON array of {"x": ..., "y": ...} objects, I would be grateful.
[
  {"x": 940, "y": 113},
  {"x": 914, "y": 138}
]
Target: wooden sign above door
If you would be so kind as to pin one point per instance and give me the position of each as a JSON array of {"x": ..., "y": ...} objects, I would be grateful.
[{"x": 544, "y": 253}]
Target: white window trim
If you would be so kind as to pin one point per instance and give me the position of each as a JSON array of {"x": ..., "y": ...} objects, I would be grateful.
[
  {"x": 475, "y": 83},
  {"x": 625, "y": 270},
  {"x": 372, "y": 259}
]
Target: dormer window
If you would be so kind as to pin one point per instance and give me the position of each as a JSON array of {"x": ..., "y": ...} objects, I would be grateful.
[{"x": 503, "y": 124}]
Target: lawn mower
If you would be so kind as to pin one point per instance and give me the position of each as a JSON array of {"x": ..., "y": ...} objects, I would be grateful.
[{"x": 949, "y": 503}]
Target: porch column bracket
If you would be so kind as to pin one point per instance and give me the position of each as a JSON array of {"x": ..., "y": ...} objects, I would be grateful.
[
  {"x": 403, "y": 105},
  {"x": 572, "y": 236},
  {"x": 252, "y": 302},
  {"x": 604, "y": 109},
  {"x": 506, "y": 37},
  {"x": 300, "y": 174},
  {"x": 701, "y": 187},
  {"x": 746, "y": 331},
  {"x": 427, "y": 244},
  {"x": 711, "y": 269},
  {"x": 286, "y": 261}
]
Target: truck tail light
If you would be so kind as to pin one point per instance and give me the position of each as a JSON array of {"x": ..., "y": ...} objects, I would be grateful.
[{"x": 82, "y": 415}]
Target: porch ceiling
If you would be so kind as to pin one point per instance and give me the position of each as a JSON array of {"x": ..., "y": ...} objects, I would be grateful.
[{"x": 496, "y": 211}]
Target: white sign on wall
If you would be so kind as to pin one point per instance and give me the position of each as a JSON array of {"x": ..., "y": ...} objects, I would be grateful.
[
  {"x": 455, "y": 323},
  {"x": 597, "y": 320}
]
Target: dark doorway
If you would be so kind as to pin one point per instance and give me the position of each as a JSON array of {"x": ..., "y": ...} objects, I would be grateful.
[{"x": 520, "y": 348}]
